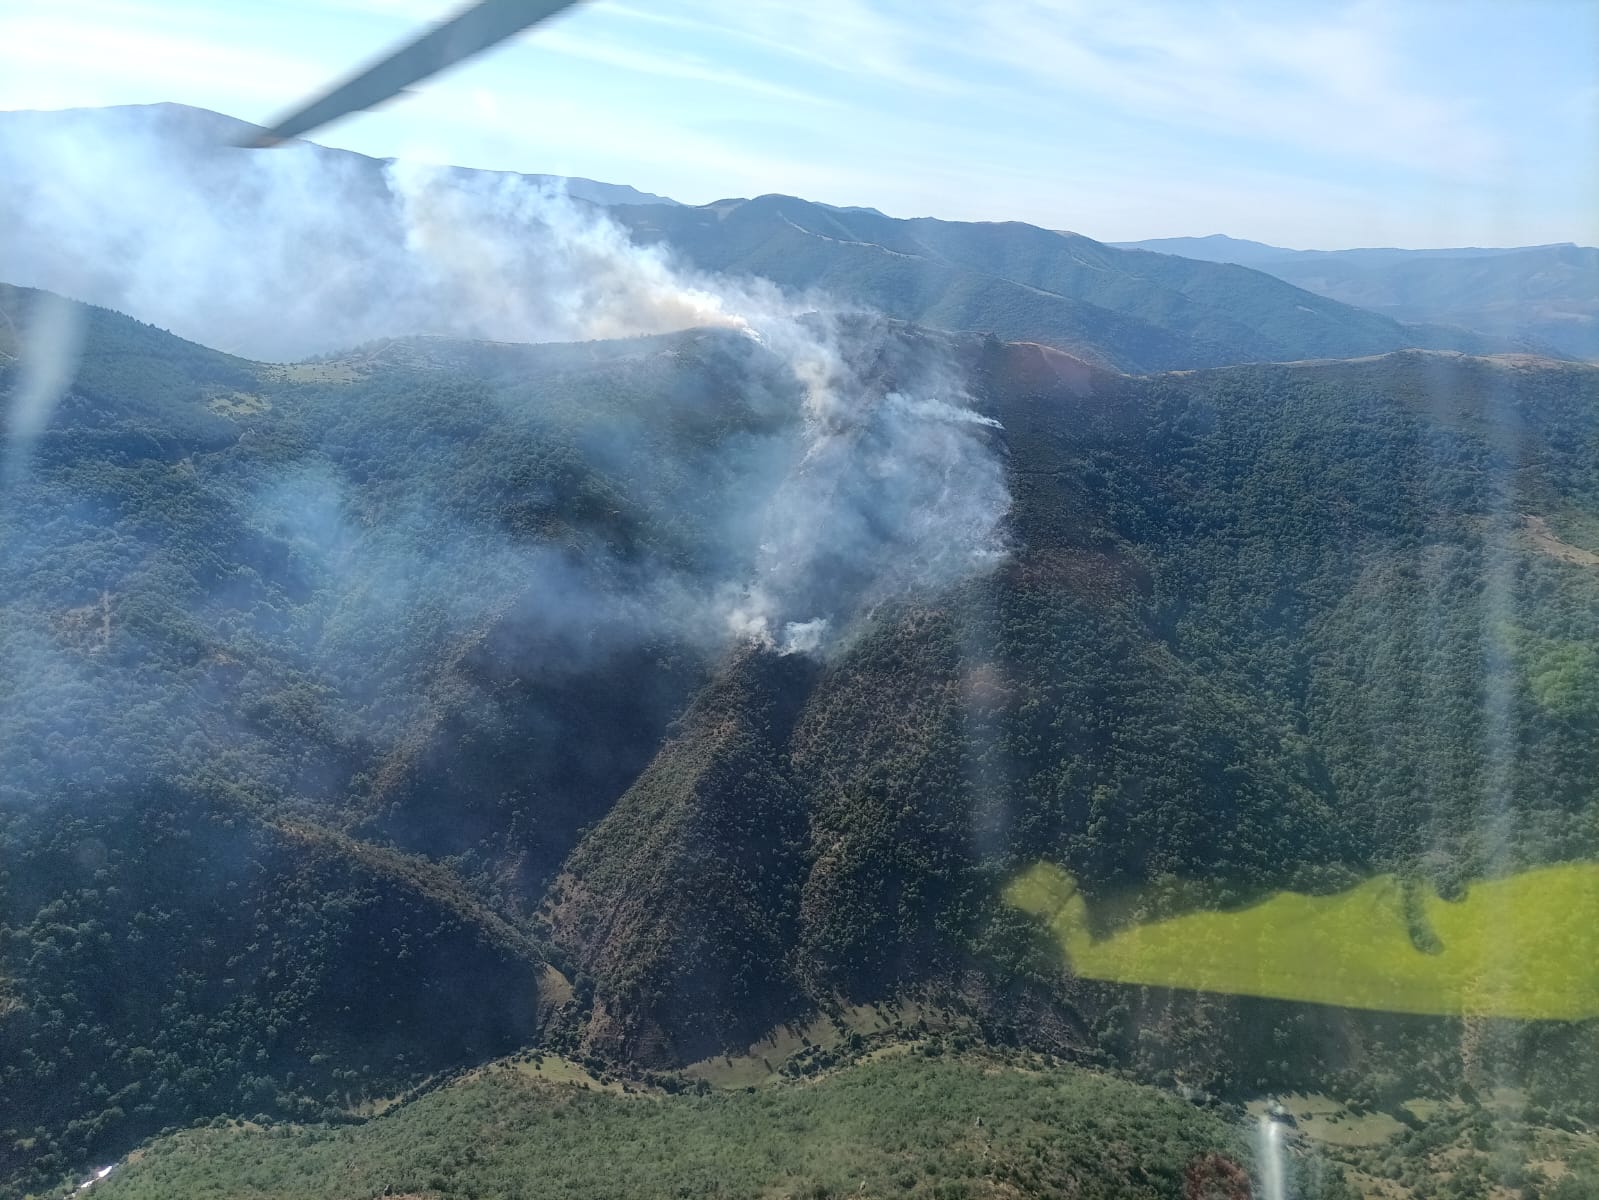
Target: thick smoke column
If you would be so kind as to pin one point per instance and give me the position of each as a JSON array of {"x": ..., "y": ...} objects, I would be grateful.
[
  {"x": 496, "y": 255},
  {"x": 895, "y": 483},
  {"x": 892, "y": 490}
]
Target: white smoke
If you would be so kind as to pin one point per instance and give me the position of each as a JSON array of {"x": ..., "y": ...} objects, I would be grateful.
[
  {"x": 500, "y": 253},
  {"x": 896, "y": 484}
]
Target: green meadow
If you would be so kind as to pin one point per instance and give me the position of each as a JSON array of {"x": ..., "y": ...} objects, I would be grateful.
[{"x": 1523, "y": 946}]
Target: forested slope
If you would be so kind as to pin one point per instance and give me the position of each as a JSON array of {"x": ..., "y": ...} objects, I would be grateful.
[
  {"x": 362, "y": 718},
  {"x": 908, "y": 1125}
]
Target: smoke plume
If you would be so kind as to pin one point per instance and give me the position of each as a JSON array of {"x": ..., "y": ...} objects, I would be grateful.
[{"x": 891, "y": 482}]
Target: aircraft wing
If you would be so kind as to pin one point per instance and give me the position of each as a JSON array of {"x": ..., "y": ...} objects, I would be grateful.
[{"x": 467, "y": 33}]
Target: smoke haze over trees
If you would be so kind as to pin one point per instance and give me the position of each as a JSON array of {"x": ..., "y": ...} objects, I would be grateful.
[{"x": 713, "y": 664}]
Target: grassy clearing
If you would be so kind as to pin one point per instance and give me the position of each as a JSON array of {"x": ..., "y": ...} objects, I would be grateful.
[
  {"x": 555, "y": 1070},
  {"x": 342, "y": 371},
  {"x": 762, "y": 1063},
  {"x": 1545, "y": 539},
  {"x": 238, "y": 404},
  {"x": 1523, "y": 946},
  {"x": 1329, "y": 1123},
  {"x": 1575, "y": 527},
  {"x": 1443, "y": 1149}
]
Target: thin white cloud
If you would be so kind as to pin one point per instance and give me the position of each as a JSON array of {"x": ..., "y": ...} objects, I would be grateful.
[
  {"x": 410, "y": 11},
  {"x": 671, "y": 66},
  {"x": 1343, "y": 120},
  {"x": 597, "y": 140},
  {"x": 848, "y": 38},
  {"x": 1328, "y": 80},
  {"x": 1320, "y": 81},
  {"x": 95, "y": 60}
]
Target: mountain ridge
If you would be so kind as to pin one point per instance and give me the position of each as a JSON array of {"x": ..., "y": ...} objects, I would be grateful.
[
  {"x": 1026, "y": 283},
  {"x": 208, "y": 125},
  {"x": 460, "y": 252},
  {"x": 1221, "y": 247},
  {"x": 1547, "y": 295}
]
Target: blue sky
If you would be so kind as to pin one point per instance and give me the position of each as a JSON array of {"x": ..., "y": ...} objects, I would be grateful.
[{"x": 1326, "y": 124}]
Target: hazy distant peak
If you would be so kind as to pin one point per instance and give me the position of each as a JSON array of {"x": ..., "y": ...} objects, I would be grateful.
[
  {"x": 853, "y": 208},
  {"x": 1213, "y": 247},
  {"x": 1541, "y": 298},
  {"x": 1220, "y": 247},
  {"x": 771, "y": 200},
  {"x": 200, "y": 125},
  {"x": 166, "y": 117}
]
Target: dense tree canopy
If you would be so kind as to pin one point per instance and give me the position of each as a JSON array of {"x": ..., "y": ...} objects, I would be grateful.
[{"x": 362, "y": 719}]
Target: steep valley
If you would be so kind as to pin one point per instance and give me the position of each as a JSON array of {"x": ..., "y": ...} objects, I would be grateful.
[{"x": 375, "y": 718}]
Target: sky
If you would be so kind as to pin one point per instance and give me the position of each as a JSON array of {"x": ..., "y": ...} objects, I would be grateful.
[{"x": 1322, "y": 124}]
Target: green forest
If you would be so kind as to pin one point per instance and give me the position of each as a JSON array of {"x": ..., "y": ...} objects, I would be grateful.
[
  {"x": 902, "y": 1126},
  {"x": 362, "y": 725}
]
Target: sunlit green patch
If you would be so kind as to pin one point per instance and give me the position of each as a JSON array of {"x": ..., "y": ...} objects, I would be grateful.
[
  {"x": 1563, "y": 677},
  {"x": 1569, "y": 537},
  {"x": 312, "y": 372},
  {"x": 238, "y": 404},
  {"x": 1524, "y": 946},
  {"x": 1327, "y": 1122},
  {"x": 763, "y": 1062}
]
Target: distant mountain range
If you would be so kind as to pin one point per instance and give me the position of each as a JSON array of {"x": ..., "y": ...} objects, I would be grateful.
[
  {"x": 1117, "y": 308},
  {"x": 1218, "y": 247},
  {"x": 1545, "y": 295},
  {"x": 200, "y": 129},
  {"x": 322, "y": 239}
]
